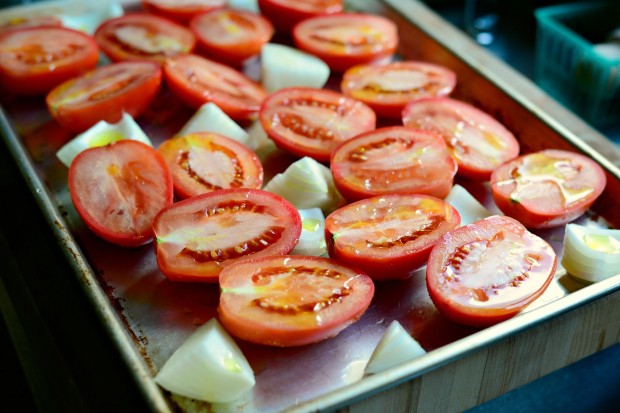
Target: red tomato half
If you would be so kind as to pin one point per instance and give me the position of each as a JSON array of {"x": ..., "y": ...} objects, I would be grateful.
[
  {"x": 35, "y": 60},
  {"x": 205, "y": 162},
  {"x": 181, "y": 10},
  {"x": 388, "y": 88},
  {"x": 291, "y": 300},
  {"x": 104, "y": 94},
  {"x": 347, "y": 39},
  {"x": 548, "y": 188},
  {"x": 142, "y": 36},
  {"x": 231, "y": 36},
  {"x": 285, "y": 14},
  {"x": 196, "y": 80},
  {"x": 478, "y": 142},
  {"x": 198, "y": 237},
  {"x": 393, "y": 160},
  {"x": 312, "y": 122},
  {"x": 488, "y": 271},
  {"x": 118, "y": 189},
  {"x": 388, "y": 236},
  {"x": 22, "y": 22}
]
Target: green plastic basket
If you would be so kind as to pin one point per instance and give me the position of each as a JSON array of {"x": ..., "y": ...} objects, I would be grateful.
[{"x": 570, "y": 69}]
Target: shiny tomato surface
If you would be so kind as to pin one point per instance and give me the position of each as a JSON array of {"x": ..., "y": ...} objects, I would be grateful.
[
  {"x": 285, "y": 14},
  {"x": 181, "y": 10}
]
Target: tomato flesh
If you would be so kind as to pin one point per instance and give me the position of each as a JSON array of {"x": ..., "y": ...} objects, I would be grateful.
[
  {"x": 388, "y": 236},
  {"x": 181, "y": 10},
  {"x": 23, "y": 22},
  {"x": 547, "y": 188},
  {"x": 118, "y": 189},
  {"x": 393, "y": 160},
  {"x": 312, "y": 122},
  {"x": 35, "y": 60},
  {"x": 198, "y": 237},
  {"x": 488, "y": 271},
  {"x": 477, "y": 141},
  {"x": 105, "y": 94},
  {"x": 204, "y": 162},
  {"x": 291, "y": 300},
  {"x": 285, "y": 14}
]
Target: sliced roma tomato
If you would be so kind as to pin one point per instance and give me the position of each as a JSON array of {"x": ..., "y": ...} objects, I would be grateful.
[
  {"x": 291, "y": 300},
  {"x": 182, "y": 10},
  {"x": 488, "y": 271},
  {"x": 477, "y": 141},
  {"x": 347, "y": 39},
  {"x": 393, "y": 160},
  {"x": 104, "y": 94},
  {"x": 285, "y": 14},
  {"x": 196, "y": 80},
  {"x": 547, "y": 188},
  {"x": 204, "y": 162},
  {"x": 198, "y": 237},
  {"x": 231, "y": 36},
  {"x": 312, "y": 122},
  {"x": 388, "y": 236},
  {"x": 118, "y": 189},
  {"x": 388, "y": 88},
  {"x": 141, "y": 36},
  {"x": 23, "y": 22},
  {"x": 35, "y": 60}
]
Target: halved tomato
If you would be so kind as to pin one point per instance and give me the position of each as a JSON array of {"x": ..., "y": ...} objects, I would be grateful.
[
  {"x": 344, "y": 40},
  {"x": 182, "y": 10},
  {"x": 35, "y": 60},
  {"x": 118, "y": 189},
  {"x": 142, "y": 36},
  {"x": 22, "y": 22},
  {"x": 204, "y": 162},
  {"x": 196, "y": 80},
  {"x": 388, "y": 88},
  {"x": 291, "y": 300},
  {"x": 104, "y": 94},
  {"x": 477, "y": 141},
  {"x": 488, "y": 271},
  {"x": 284, "y": 14},
  {"x": 547, "y": 188},
  {"x": 231, "y": 36},
  {"x": 393, "y": 160},
  {"x": 388, "y": 236},
  {"x": 312, "y": 122},
  {"x": 198, "y": 237}
]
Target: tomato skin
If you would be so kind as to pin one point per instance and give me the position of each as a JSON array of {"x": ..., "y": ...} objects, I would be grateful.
[
  {"x": 314, "y": 277},
  {"x": 135, "y": 86},
  {"x": 362, "y": 82},
  {"x": 142, "y": 36},
  {"x": 196, "y": 81},
  {"x": 249, "y": 33},
  {"x": 294, "y": 118},
  {"x": 476, "y": 140},
  {"x": 378, "y": 43},
  {"x": 543, "y": 200},
  {"x": 203, "y": 150},
  {"x": 392, "y": 160},
  {"x": 285, "y": 14},
  {"x": 35, "y": 60},
  {"x": 478, "y": 295},
  {"x": 233, "y": 224},
  {"x": 179, "y": 13},
  {"x": 398, "y": 250},
  {"x": 132, "y": 168}
]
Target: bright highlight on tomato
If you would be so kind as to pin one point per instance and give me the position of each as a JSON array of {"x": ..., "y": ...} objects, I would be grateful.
[
  {"x": 477, "y": 141},
  {"x": 393, "y": 160},
  {"x": 388, "y": 236},
  {"x": 198, "y": 237},
  {"x": 118, "y": 189},
  {"x": 285, "y": 14},
  {"x": 488, "y": 271},
  {"x": 204, "y": 162},
  {"x": 291, "y": 300},
  {"x": 35, "y": 60},
  {"x": 547, "y": 188}
]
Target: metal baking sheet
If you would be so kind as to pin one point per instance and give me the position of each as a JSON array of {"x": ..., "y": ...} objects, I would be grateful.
[{"x": 149, "y": 316}]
